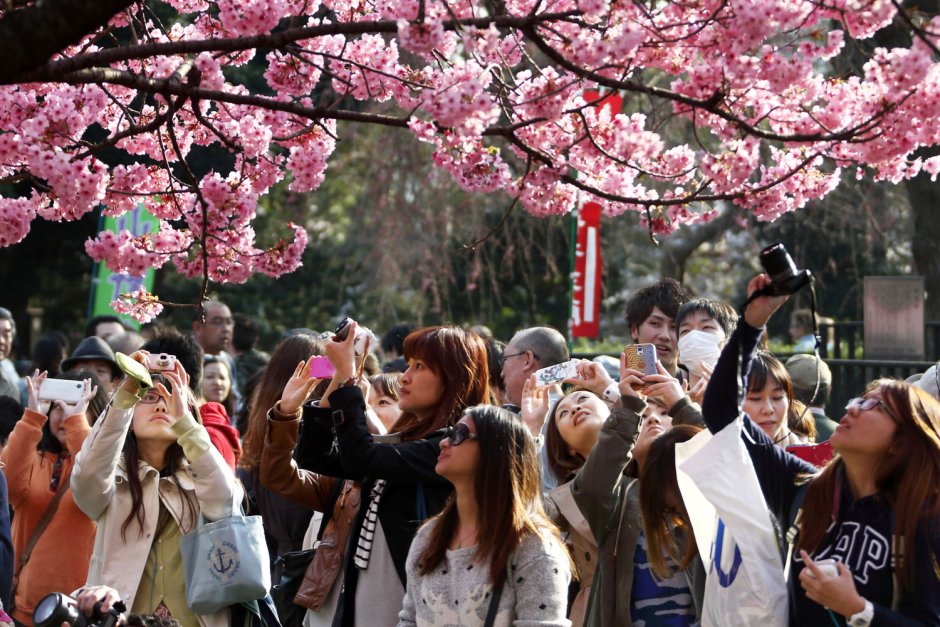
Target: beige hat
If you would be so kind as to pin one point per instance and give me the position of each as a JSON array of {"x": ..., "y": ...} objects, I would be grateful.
[
  {"x": 803, "y": 372},
  {"x": 928, "y": 382}
]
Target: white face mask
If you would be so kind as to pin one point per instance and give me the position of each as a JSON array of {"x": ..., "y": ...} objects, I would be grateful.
[{"x": 698, "y": 347}]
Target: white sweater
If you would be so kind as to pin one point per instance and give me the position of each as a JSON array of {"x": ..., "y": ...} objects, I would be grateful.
[{"x": 458, "y": 591}]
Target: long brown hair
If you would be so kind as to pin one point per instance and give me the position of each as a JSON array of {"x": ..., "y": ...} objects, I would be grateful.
[
  {"x": 507, "y": 489},
  {"x": 908, "y": 476},
  {"x": 764, "y": 367},
  {"x": 291, "y": 351},
  {"x": 458, "y": 357},
  {"x": 174, "y": 461},
  {"x": 661, "y": 524},
  {"x": 562, "y": 462}
]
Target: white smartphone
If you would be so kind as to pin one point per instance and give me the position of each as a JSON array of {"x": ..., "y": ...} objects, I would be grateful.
[
  {"x": 827, "y": 567},
  {"x": 61, "y": 390},
  {"x": 556, "y": 373}
]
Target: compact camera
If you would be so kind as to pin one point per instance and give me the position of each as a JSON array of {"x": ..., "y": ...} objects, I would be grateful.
[
  {"x": 341, "y": 332},
  {"x": 57, "y": 608},
  {"x": 161, "y": 362},
  {"x": 785, "y": 277}
]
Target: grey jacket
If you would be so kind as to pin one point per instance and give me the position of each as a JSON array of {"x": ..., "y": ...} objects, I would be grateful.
[{"x": 609, "y": 499}]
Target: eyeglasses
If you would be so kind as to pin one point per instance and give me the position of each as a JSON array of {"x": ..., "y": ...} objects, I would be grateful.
[
  {"x": 502, "y": 360},
  {"x": 867, "y": 403},
  {"x": 151, "y": 397},
  {"x": 459, "y": 433}
]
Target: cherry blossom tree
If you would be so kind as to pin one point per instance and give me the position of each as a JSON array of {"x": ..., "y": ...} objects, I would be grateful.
[{"x": 496, "y": 87}]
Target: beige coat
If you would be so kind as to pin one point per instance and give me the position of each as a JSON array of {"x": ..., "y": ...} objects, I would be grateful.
[
  {"x": 101, "y": 490},
  {"x": 564, "y": 511}
]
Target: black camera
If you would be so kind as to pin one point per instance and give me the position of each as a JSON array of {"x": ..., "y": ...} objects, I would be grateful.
[
  {"x": 342, "y": 329},
  {"x": 785, "y": 277},
  {"x": 57, "y": 608}
]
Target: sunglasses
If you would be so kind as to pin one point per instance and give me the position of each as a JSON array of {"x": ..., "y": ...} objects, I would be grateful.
[
  {"x": 868, "y": 403},
  {"x": 459, "y": 433}
]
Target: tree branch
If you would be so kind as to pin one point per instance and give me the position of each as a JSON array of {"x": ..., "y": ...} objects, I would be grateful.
[{"x": 31, "y": 35}]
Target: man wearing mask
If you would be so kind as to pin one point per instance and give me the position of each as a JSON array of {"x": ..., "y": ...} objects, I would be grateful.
[{"x": 703, "y": 325}]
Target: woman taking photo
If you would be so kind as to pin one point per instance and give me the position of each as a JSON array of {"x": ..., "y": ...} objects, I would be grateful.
[
  {"x": 874, "y": 509},
  {"x": 446, "y": 373},
  {"x": 38, "y": 462},
  {"x": 602, "y": 454},
  {"x": 144, "y": 475},
  {"x": 491, "y": 556}
]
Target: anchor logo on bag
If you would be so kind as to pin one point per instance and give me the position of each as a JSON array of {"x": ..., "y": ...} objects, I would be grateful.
[{"x": 223, "y": 561}]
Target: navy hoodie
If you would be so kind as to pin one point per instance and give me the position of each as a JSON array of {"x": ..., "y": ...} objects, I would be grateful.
[{"x": 862, "y": 536}]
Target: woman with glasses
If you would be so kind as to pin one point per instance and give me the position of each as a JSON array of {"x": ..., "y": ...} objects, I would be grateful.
[
  {"x": 447, "y": 372},
  {"x": 874, "y": 511},
  {"x": 37, "y": 461},
  {"x": 144, "y": 475},
  {"x": 491, "y": 557}
]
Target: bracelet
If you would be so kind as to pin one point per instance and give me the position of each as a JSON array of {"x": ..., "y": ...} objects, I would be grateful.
[{"x": 351, "y": 381}]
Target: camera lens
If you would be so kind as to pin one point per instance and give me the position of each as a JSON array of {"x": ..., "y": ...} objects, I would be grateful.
[
  {"x": 777, "y": 263},
  {"x": 55, "y": 609}
]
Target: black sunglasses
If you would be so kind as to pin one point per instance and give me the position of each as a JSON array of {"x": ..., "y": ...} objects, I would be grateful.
[{"x": 459, "y": 433}]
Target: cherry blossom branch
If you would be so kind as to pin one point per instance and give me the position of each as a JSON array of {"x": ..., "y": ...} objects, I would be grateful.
[{"x": 59, "y": 69}]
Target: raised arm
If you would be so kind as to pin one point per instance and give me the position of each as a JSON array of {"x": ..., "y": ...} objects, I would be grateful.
[
  {"x": 280, "y": 473},
  {"x": 776, "y": 469},
  {"x": 596, "y": 489},
  {"x": 93, "y": 473},
  {"x": 406, "y": 461}
]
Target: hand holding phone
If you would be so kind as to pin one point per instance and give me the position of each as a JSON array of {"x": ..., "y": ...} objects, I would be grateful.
[
  {"x": 61, "y": 390},
  {"x": 641, "y": 357},
  {"x": 557, "y": 373},
  {"x": 827, "y": 567},
  {"x": 321, "y": 368}
]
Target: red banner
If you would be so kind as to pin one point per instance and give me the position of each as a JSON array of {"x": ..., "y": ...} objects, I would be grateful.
[
  {"x": 588, "y": 269},
  {"x": 586, "y": 281}
]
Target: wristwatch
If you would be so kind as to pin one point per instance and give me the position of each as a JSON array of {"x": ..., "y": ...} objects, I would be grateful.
[{"x": 863, "y": 618}]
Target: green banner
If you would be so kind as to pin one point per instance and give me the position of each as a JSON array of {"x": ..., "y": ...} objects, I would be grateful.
[{"x": 106, "y": 285}]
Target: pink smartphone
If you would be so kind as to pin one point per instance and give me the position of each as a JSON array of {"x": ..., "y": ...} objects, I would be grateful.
[{"x": 321, "y": 368}]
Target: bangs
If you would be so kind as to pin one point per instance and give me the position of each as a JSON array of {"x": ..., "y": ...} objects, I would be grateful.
[
  {"x": 765, "y": 367},
  {"x": 428, "y": 345}
]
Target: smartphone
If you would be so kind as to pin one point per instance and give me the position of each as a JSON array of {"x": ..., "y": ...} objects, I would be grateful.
[
  {"x": 321, "y": 368},
  {"x": 161, "y": 362},
  {"x": 61, "y": 390},
  {"x": 816, "y": 454},
  {"x": 827, "y": 567},
  {"x": 556, "y": 373},
  {"x": 641, "y": 357}
]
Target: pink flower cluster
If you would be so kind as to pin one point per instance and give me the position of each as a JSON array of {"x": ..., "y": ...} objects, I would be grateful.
[
  {"x": 140, "y": 305},
  {"x": 725, "y": 100}
]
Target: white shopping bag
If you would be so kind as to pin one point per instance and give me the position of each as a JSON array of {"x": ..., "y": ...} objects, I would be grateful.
[{"x": 736, "y": 540}]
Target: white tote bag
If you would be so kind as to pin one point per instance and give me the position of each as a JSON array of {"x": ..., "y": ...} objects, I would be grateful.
[{"x": 736, "y": 540}]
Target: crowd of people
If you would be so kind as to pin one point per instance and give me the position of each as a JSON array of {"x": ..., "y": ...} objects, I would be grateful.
[{"x": 458, "y": 484}]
